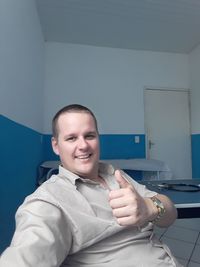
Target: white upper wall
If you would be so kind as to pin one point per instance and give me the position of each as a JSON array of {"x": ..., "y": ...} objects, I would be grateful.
[
  {"x": 194, "y": 60},
  {"x": 109, "y": 81},
  {"x": 21, "y": 63}
]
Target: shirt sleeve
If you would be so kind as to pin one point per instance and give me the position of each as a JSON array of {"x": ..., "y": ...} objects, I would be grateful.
[{"x": 42, "y": 237}]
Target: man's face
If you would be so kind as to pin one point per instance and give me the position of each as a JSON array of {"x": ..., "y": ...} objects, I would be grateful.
[{"x": 78, "y": 144}]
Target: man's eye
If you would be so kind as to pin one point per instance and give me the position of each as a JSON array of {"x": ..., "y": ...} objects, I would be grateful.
[
  {"x": 71, "y": 138},
  {"x": 90, "y": 136}
]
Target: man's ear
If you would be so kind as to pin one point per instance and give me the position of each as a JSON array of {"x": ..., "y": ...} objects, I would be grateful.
[{"x": 54, "y": 143}]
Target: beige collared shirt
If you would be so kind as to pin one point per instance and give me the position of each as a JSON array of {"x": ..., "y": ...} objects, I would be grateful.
[{"x": 67, "y": 221}]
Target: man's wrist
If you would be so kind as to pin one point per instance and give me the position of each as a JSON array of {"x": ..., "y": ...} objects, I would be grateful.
[{"x": 160, "y": 209}]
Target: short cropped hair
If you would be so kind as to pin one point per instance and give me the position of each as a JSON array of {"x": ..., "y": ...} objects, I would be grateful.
[{"x": 70, "y": 108}]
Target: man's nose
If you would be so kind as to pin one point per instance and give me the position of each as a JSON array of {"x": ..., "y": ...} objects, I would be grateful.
[{"x": 82, "y": 143}]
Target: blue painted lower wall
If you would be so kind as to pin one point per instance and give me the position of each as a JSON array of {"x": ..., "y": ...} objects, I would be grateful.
[
  {"x": 112, "y": 146},
  {"x": 196, "y": 155},
  {"x": 20, "y": 154},
  {"x": 121, "y": 146}
]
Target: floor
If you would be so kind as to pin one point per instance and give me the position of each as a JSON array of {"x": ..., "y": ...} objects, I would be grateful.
[{"x": 183, "y": 238}]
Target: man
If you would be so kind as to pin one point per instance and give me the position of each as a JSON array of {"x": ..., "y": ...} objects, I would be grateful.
[{"x": 89, "y": 214}]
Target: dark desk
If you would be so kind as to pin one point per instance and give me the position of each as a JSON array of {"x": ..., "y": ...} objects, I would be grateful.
[
  {"x": 46, "y": 169},
  {"x": 187, "y": 203}
]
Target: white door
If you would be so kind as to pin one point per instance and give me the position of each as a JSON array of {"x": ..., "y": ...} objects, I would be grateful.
[{"x": 167, "y": 123}]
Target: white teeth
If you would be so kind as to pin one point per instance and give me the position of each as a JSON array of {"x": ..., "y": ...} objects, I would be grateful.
[{"x": 83, "y": 157}]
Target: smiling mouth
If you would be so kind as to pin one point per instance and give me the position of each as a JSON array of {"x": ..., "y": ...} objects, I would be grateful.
[{"x": 84, "y": 156}]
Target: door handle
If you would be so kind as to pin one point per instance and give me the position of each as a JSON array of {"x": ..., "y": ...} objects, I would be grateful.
[{"x": 151, "y": 144}]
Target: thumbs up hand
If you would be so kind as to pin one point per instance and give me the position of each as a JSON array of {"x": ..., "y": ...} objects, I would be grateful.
[{"x": 129, "y": 208}]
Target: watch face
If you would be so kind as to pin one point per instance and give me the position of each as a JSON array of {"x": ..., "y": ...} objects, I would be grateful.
[{"x": 159, "y": 205}]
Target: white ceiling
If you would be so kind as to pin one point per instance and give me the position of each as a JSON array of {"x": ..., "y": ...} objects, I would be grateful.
[{"x": 156, "y": 25}]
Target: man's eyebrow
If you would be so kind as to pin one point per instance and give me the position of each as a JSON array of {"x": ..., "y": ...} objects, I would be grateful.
[
  {"x": 74, "y": 134},
  {"x": 69, "y": 135},
  {"x": 91, "y": 132}
]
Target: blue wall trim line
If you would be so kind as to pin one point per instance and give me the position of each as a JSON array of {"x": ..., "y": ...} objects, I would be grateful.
[{"x": 195, "y": 155}]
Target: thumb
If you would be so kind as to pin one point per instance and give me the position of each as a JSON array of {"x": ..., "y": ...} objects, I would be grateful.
[{"x": 123, "y": 183}]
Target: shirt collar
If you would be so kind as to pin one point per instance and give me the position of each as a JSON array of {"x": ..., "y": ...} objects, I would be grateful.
[{"x": 104, "y": 170}]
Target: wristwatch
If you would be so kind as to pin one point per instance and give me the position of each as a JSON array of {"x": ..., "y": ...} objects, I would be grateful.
[{"x": 160, "y": 207}]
